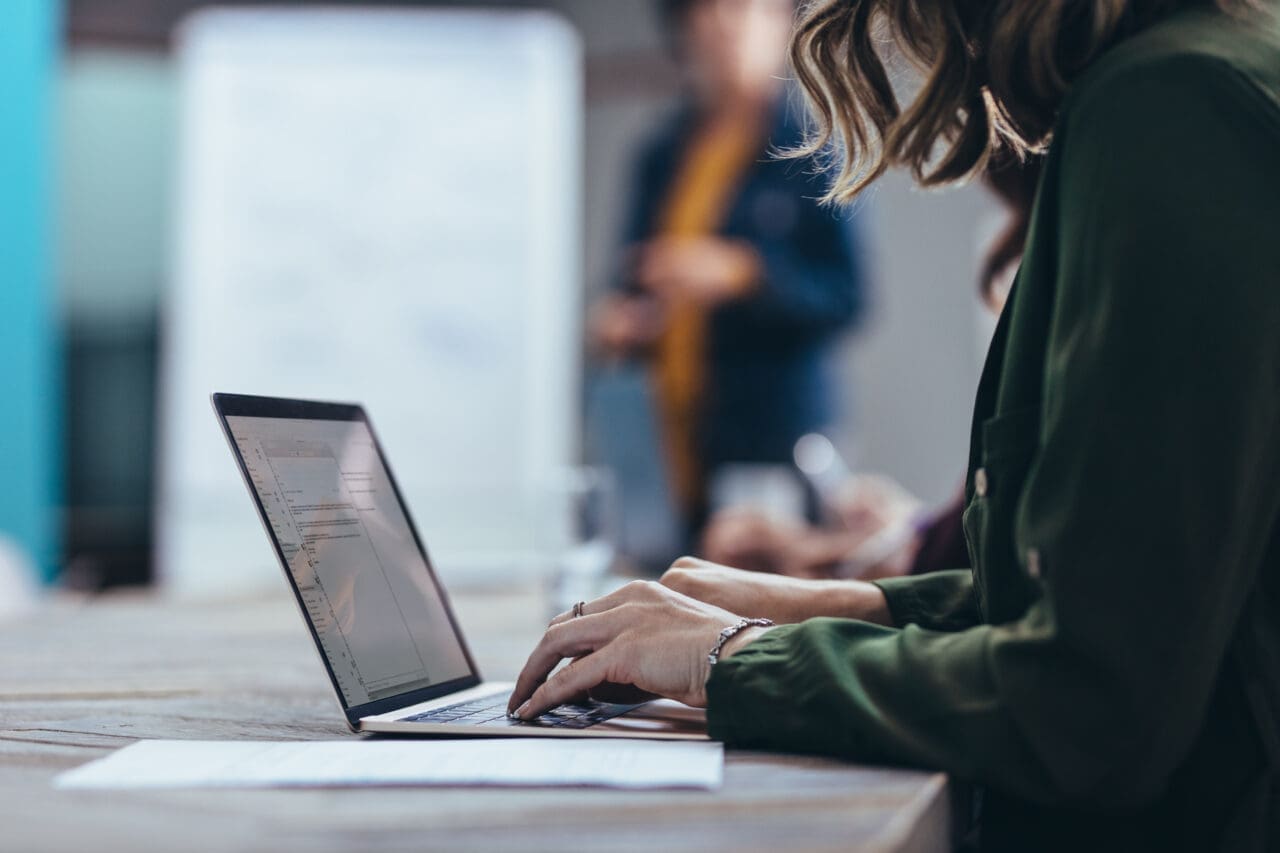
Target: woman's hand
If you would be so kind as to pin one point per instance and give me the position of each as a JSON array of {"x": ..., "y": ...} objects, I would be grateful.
[
  {"x": 644, "y": 634},
  {"x": 782, "y": 599},
  {"x": 704, "y": 270},
  {"x": 622, "y": 325}
]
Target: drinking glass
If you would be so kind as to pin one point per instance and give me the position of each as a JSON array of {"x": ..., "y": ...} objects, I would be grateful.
[{"x": 584, "y": 528}]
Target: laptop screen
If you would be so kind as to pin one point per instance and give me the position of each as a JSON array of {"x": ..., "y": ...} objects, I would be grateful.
[{"x": 375, "y": 607}]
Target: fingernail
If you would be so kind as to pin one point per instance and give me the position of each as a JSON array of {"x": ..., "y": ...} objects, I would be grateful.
[{"x": 523, "y": 710}]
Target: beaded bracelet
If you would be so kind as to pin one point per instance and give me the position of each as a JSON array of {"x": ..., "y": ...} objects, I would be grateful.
[{"x": 713, "y": 656}]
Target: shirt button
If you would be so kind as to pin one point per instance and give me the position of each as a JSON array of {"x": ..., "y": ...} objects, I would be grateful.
[
  {"x": 1033, "y": 563},
  {"x": 980, "y": 482}
]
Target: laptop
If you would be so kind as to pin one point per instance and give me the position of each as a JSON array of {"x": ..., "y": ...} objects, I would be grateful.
[{"x": 377, "y": 612}]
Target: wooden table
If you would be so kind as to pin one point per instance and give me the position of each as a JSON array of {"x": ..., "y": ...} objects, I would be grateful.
[{"x": 78, "y": 679}]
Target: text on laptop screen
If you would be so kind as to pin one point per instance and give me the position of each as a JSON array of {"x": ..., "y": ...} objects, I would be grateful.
[{"x": 362, "y": 577}]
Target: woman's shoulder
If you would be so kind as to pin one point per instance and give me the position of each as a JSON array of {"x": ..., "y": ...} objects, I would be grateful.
[
  {"x": 1162, "y": 176},
  {"x": 1189, "y": 61}
]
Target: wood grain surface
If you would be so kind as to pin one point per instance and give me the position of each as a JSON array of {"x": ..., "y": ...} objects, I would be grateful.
[{"x": 81, "y": 678}]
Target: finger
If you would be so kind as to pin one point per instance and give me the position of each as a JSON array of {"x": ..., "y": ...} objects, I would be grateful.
[
  {"x": 575, "y": 679},
  {"x": 593, "y": 608},
  {"x": 568, "y": 639},
  {"x": 621, "y": 595}
]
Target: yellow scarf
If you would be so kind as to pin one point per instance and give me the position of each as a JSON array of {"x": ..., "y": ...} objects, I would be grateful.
[{"x": 699, "y": 198}]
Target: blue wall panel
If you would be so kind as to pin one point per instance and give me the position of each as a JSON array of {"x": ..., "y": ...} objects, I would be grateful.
[{"x": 29, "y": 376}]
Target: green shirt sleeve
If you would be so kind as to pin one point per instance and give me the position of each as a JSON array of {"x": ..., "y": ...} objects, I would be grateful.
[
  {"x": 943, "y": 601},
  {"x": 1150, "y": 500}
]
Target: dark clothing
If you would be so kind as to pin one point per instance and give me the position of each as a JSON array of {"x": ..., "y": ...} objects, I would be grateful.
[
  {"x": 766, "y": 377},
  {"x": 1110, "y": 668},
  {"x": 941, "y": 538}
]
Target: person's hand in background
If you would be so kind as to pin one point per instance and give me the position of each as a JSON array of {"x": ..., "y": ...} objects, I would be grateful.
[
  {"x": 623, "y": 325},
  {"x": 706, "y": 270},
  {"x": 870, "y": 503},
  {"x": 875, "y": 537}
]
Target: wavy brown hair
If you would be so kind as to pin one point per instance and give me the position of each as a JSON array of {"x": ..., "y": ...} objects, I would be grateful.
[{"x": 994, "y": 73}]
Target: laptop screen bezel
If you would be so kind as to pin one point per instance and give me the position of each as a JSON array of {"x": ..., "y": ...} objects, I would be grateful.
[{"x": 242, "y": 405}]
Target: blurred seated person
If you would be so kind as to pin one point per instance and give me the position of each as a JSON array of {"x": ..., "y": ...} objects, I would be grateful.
[
  {"x": 880, "y": 529},
  {"x": 878, "y": 532},
  {"x": 735, "y": 282}
]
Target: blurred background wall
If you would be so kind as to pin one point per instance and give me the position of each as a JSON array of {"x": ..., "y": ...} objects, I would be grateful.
[{"x": 911, "y": 369}]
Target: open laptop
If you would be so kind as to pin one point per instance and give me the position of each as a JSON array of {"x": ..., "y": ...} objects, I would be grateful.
[{"x": 377, "y": 612}]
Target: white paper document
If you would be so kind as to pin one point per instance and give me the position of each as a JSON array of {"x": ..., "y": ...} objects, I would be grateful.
[{"x": 501, "y": 762}]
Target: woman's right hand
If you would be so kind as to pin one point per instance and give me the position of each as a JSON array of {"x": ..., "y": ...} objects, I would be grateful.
[{"x": 783, "y": 599}]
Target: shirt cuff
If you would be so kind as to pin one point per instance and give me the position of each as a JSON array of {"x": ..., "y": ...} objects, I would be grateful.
[
  {"x": 783, "y": 689},
  {"x": 939, "y": 601},
  {"x": 736, "y": 709}
]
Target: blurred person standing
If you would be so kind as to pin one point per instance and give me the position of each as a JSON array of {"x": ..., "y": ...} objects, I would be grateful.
[{"x": 735, "y": 282}]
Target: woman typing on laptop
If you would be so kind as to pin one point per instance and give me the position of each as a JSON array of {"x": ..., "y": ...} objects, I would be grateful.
[{"x": 1107, "y": 668}]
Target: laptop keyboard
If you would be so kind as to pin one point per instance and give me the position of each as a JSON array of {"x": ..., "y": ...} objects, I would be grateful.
[{"x": 491, "y": 712}]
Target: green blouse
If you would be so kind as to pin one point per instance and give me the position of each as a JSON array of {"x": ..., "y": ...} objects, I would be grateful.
[{"x": 1108, "y": 672}]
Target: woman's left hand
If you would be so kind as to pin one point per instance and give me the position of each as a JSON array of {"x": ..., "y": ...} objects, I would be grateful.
[
  {"x": 643, "y": 634},
  {"x": 705, "y": 270}
]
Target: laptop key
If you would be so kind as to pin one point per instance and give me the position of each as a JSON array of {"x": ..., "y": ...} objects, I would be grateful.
[
  {"x": 465, "y": 713},
  {"x": 491, "y": 712}
]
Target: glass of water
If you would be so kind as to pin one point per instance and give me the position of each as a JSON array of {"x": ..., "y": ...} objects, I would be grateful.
[{"x": 584, "y": 535}]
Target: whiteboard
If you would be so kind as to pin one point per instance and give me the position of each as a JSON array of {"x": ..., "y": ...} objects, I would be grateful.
[{"x": 376, "y": 206}]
